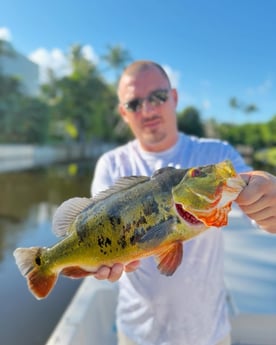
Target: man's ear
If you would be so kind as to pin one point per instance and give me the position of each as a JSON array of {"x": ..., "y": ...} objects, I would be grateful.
[
  {"x": 175, "y": 96},
  {"x": 122, "y": 112}
]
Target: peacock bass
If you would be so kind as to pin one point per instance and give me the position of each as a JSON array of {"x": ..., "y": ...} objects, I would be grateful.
[{"x": 138, "y": 217}]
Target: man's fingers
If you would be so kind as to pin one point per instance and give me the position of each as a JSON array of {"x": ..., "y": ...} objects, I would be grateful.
[
  {"x": 102, "y": 273},
  {"x": 116, "y": 272},
  {"x": 132, "y": 266}
]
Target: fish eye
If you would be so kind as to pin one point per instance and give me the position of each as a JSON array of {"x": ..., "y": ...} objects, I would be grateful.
[
  {"x": 38, "y": 260},
  {"x": 197, "y": 173}
]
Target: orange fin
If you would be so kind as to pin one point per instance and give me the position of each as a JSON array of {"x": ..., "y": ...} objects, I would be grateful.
[
  {"x": 170, "y": 258},
  {"x": 40, "y": 283},
  {"x": 75, "y": 272}
]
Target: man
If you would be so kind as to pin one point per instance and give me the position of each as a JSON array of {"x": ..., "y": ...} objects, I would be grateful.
[{"x": 188, "y": 308}]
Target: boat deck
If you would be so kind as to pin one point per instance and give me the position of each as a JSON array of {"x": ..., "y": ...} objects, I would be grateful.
[{"x": 89, "y": 320}]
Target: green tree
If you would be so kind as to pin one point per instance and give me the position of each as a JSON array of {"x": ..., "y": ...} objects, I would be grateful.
[
  {"x": 255, "y": 135},
  {"x": 50, "y": 90},
  {"x": 33, "y": 121},
  {"x": 239, "y": 105},
  {"x": 83, "y": 98},
  {"x": 117, "y": 58},
  {"x": 271, "y": 125},
  {"x": 189, "y": 122},
  {"x": 230, "y": 133},
  {"x": 23, "y": 119}
]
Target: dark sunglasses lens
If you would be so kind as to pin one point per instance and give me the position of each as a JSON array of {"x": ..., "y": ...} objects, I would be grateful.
[
  {"x": 155, "y": 98},
  {"x": 159, "y": 96},
  {"x": 133, "y": 105}
]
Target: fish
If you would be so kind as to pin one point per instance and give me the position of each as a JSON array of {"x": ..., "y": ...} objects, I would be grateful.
[{"x": 138, "y": 217}]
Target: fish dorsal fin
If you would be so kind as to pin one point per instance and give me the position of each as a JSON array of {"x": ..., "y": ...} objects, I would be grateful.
[
  {"x": 122, "y": 184},
  {"x": 67, "y": 213}
]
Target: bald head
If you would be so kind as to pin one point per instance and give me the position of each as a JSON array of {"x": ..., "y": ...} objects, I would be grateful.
[{"x": 142, "y": 66}]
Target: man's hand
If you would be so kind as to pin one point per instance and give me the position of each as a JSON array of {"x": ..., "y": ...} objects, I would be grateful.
[
  {"x": 114, "y": 273},
  {"x": 258, "y": 199}
]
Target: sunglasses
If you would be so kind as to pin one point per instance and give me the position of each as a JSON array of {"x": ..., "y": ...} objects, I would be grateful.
[{"x": 155, "y": 98}]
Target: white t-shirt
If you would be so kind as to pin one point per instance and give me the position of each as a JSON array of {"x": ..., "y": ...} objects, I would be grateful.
[{"x": 188, "y": 308}]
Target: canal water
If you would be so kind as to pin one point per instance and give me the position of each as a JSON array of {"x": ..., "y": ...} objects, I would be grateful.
[{"x": 27, "y": 202}]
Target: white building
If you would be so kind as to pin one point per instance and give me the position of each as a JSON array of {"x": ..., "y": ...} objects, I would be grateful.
[{"x": 18, "y": 65}]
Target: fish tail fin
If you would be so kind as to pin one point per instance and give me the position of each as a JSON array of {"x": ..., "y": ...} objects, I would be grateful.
[{"x": 40, "y": 282}]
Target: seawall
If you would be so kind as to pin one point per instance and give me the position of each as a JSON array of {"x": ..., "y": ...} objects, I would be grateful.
[{"x": 15, "y": 157}]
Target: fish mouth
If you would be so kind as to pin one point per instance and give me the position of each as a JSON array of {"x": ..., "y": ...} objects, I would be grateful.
[{"x": 187, "y": 216}]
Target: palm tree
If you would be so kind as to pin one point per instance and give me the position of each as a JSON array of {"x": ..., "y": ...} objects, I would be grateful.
[
  {"x": 246, "y": 108},
  {"x": 117, "y": 58}
]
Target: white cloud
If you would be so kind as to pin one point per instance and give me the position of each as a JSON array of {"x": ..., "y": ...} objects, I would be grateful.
[
  {"x": 260, "y": 89},
  {"x": 57, "y": 60},
  {"x": 5, "y": 34},
  {"x": 265, "y": 86},
  {"x": 54, "y": 59},
  {"x": 206, "y": 104},
  {"x": 173, "y": 75},
  {"x": 89, "y": 54}
]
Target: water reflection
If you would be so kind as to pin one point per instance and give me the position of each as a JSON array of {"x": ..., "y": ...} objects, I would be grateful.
[{"x": 27, "y": 203}]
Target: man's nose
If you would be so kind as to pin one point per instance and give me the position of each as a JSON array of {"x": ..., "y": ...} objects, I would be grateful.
[{"x": 147, "y": 108}]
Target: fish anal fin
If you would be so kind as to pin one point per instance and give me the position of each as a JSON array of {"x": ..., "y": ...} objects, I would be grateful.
[
  {"x": 170, "y": 258},
  {"x": 40, "y": 283},
  {"x": 75, "y": 272}
]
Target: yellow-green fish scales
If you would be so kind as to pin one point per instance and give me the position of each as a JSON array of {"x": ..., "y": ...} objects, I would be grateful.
[{"x": 138, "y": 217}]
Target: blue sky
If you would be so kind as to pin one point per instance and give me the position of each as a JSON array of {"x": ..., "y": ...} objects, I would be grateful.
[{"x": 214, "y": 50}]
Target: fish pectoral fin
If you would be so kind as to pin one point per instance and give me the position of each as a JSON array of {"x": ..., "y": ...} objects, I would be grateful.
[
  {"x": 67, "y": 213},
  {"x": 156, "y": 234},
  {"x": 75, "y": 272},
  {"x": 169, "y": 259}
]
